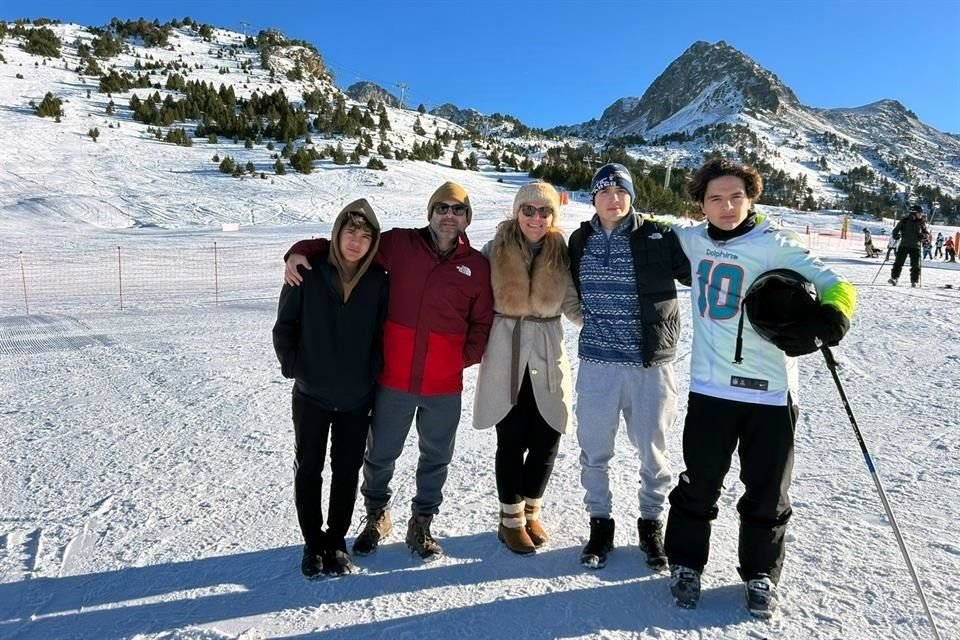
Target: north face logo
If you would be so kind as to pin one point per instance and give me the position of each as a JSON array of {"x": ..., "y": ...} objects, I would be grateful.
[{"x": 464, "y": 269}]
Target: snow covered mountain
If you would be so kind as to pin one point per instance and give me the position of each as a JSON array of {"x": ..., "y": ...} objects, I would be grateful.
[
  {"x": 712, "y": 88},
  {"x": 713, "y": 98}
]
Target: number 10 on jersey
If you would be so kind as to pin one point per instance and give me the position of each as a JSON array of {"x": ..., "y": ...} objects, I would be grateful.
[{"x": 721, "y": 285}]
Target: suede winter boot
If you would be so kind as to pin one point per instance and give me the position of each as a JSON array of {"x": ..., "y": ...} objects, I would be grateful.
[
  {"x": 531, "y": 512},
  {"x": 511, "y": 531},
  {"x": 420, "y": 540},
  {"x": 377, "y": 528}
]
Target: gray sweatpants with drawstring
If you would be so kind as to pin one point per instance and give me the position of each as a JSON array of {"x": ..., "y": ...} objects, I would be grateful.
[{"x": 647, "y": 398}]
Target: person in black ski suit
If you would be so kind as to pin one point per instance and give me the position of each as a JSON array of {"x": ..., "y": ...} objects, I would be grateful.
[{"x": 910, "y": 231}]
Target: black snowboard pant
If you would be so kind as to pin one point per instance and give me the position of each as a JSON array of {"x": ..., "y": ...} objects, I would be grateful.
[
  {"x": 902, "y": 253},
  {"x": 524, "y": 431},
  {"x": 763, "y": 438},
  {"x": 313, "y": 425}
]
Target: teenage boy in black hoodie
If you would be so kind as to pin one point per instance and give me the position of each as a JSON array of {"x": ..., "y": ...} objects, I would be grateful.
[{"x": 329, "y": 337}]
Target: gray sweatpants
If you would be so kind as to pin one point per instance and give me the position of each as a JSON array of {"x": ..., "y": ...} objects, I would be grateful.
[
  {"x": 437, "y": 418},
  {"x": 647, "y": 397}
]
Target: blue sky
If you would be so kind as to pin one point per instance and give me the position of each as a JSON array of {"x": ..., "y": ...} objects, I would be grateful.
[{"x": 564, "y": 62}]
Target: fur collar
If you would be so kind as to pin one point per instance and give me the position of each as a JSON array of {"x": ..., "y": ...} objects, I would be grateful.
[{"x": 518, "y": 291}]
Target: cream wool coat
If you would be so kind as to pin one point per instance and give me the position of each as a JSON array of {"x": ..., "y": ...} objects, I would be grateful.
[{"x": 518, "y": 291}]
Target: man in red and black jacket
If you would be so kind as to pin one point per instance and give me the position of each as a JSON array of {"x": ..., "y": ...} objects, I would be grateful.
[{"x": 438, "y": 319}]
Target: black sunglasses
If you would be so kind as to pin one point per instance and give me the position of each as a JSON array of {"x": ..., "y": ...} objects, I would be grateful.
[
  {"x": 441, "y": 208},
  {"x": 529, "y": 210}
]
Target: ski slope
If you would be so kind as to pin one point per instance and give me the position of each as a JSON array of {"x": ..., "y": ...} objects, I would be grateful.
[{"x": 148, "y": 486}]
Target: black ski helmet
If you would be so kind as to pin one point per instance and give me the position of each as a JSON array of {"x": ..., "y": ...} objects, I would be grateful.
[{"x": 780, "y": 303}]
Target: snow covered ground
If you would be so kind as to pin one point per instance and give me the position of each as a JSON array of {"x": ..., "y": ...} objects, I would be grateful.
[{"x": 147, "y": 481}]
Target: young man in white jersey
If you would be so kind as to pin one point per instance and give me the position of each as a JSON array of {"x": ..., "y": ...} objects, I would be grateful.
[{"x": 751, "y": 406}]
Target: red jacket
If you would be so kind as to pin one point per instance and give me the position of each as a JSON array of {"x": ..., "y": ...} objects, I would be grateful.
[{"x": 439, "y": 314}]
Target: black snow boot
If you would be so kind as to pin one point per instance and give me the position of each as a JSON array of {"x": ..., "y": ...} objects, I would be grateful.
[
  {"x": 594, "y": 555},
  {"x": 311, "y": 566},
  {"x": 651, "y": 543}
]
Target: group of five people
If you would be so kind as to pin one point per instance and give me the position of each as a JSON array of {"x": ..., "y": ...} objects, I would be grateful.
[{"x": 377, "y": 328}]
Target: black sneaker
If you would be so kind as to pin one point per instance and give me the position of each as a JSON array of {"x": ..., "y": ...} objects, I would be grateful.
[
  {"x": 651, "y": 543},
  {"x": 379, "y": 525},
  {"x": 685, "y": 586},
  {"x": 419, "y": 539},
  {"x": 761, "y": 596},
  {"x": 594, "y": 555},
  {"x": 311, "y": 566}
]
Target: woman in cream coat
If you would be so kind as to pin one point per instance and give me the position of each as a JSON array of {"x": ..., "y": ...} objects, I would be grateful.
[{"x": 524, "y": 383}]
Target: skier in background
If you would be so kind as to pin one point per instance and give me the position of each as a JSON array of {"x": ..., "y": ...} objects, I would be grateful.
[
  {"x": 951, "y": 251},
  {"x": 938, "y": 246},
  {"x": 910, "y": 231},
  {"x": 868, "y": 247}
]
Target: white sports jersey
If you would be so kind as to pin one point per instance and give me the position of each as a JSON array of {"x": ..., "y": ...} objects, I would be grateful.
[{"x": 722, "y": 272}]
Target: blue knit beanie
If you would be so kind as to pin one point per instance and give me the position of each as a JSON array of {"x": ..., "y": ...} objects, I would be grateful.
[{"x": 609, "y": 175}]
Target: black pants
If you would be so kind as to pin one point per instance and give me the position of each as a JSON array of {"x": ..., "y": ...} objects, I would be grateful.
[
  {"x": 524, "y": 430},
  {"x": 312, "y": 425},
  {"x": 763, "y": 438},
  {"x": 902, "y": 253}
]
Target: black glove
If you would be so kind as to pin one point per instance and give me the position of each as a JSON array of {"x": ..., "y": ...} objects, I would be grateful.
[
  {"x": 830, "y": 325},
  {"x": 824, "y": 322},
  {"x": 799, "y": 342}
]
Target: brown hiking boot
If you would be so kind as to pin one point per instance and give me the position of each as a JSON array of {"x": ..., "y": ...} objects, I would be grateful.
[
  {"x": 534, "y": 529},
  {"x": 378, "y": 527},
  {"x": 420, "y": 540}
]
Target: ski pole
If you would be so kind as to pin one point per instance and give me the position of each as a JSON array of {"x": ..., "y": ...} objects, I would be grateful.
[
  {"x": 832, "y": 365},
  {"x": 885, "y": 261}
]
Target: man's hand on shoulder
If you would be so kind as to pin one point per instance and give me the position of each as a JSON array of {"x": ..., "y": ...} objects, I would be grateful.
[{"x": 290, "y": 274}]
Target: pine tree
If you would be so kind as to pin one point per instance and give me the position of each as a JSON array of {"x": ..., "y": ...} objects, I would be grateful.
[
  {"x": 473, "y": 162},
  {"x": 456, "y": 162},
  {"x": 278, "y": 168},
  {"x": 227, "y": 165},
  {"x": 111, "y": 108},
  {"x": 421, "y": 109},
  {"x": 50, "y": 107},
  {"x": 94, "y": 133},
  {"x": 375, "y": 163}
]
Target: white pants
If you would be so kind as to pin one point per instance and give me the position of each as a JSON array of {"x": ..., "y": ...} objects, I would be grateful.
[{"x": 647, "y": 397}]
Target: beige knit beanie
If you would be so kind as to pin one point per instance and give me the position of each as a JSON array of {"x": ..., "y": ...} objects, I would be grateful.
[
  {"x": 450, "y": 191},
  {"x": 538, "y": 193}
]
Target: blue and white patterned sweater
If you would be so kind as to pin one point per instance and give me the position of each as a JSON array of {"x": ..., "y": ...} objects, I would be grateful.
[{"x": 611, "y": 331}]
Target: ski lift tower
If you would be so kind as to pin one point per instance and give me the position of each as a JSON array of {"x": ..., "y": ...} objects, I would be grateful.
[{"x": 666, "y": 175}]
